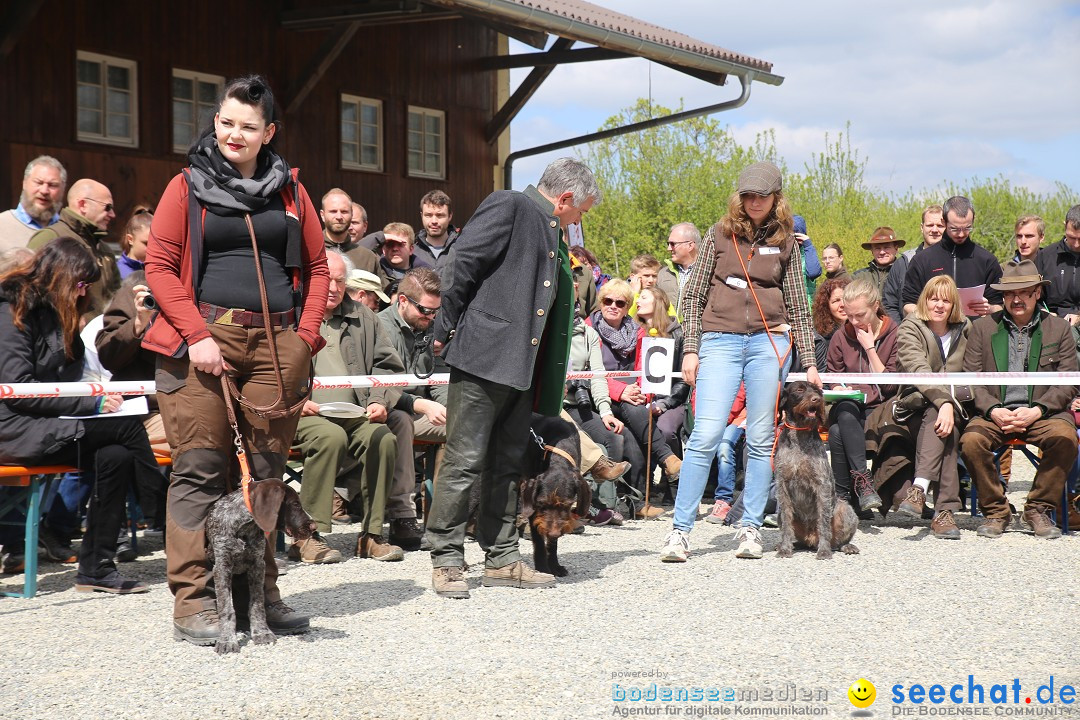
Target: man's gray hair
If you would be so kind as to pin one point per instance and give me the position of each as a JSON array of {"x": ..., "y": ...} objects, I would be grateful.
[
  {"x": 46, "y": 160},
  {"x": 570, "y": 175},
  {"x": 959, "y": 206},
  {"x": 1072, "y": 218},
  {"x": 689, "y": 232},
  {"x": 349, "y": 264}
]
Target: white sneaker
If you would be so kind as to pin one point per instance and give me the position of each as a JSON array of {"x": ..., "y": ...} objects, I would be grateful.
[
  {"x": 749, "y": 539},
  {"x": 676, "y": 547}
]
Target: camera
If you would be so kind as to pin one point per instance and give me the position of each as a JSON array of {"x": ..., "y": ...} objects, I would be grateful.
[
  {"x": 582, "y": 396},
  {"x": 149, "y": 302}
]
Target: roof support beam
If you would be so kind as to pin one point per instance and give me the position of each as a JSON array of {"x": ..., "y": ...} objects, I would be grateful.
[
  {"x": 551, "y": 57},
  {"x": 15, "y": 23},
  {"x": 324, "y": 57},
  {"x": 715, "y": 78},
  {"x": 525, "y": 90}
]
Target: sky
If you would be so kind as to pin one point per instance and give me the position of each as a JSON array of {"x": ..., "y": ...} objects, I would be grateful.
[{"x": 935, "y": 92}]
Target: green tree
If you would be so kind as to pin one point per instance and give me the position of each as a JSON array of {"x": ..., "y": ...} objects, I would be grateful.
[{"x": 686, "y": 171}]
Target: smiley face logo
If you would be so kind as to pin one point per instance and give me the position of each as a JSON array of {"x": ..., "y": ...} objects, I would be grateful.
[{"x": 862, "y": 693}]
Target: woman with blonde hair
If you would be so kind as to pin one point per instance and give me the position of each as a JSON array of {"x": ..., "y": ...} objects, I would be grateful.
[
  {"x": 933, "y": 339},
  {"x": 620, "y": 338},
  {"x": 668, "y": 410},
  {"x": 744, "y": 300}
]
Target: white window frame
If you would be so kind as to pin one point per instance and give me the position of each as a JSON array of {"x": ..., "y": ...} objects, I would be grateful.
[
  {"x": 425, "y": 113},
  {"x": 105, "y": 61},
  {"x": 195, "y": 78},
  {"x": 359, "y": 103}
]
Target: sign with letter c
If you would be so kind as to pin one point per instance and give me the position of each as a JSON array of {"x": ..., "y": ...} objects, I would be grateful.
[{"x": 657, "y": 362}]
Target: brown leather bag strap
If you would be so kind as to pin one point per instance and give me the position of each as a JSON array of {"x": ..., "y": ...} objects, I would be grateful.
[{"x": 278, "y": 408}]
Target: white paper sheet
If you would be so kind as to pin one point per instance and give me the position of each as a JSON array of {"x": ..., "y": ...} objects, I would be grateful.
[
  {"x": 131, "y": 406},
  {"x": 970, "y": 295}
]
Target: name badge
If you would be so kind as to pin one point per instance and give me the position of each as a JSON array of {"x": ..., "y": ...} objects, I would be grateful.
[
  {"x": 770, "y": 250},
  {"x": 736, "y": 282}
]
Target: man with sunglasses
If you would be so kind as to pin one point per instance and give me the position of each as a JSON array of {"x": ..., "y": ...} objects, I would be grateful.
[
  {"x": 959, "y": 257},
  {"x": 1020, "y": 338},
  {"x": 86, "y": 218},
  {"x": 505, "y": 321},
  {"x": 420, "y": 412},
  {"x": 682, "y": 243}
]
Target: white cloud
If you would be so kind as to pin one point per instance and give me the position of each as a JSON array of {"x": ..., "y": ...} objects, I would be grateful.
[{"x": 932, "y": 91}]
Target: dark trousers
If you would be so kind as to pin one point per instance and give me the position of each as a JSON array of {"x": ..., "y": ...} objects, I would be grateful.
[
  {"x": 1055, "y": 437},
  {"x": 847, "y": 443},
  {"x": 487, "y": 432},
  {"x": 118, "y": 452},
  {"x": 636, "y": 418}
]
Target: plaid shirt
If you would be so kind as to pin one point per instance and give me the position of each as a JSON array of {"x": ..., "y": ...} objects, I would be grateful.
[{"x": 696, "y": 294}]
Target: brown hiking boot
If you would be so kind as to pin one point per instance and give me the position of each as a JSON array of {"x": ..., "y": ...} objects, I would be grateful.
[
  {"x": 672, "y": 466},
  {"x": 1038, "y": 521},
  {"x": 449, "y": 582},
  {"x": 314, "y": 550},
  {"x": 993, "y": 527},
  {"x": 944, "y": 526},
  {"x": 518, "y": 575},
  {"x": 199, "y": 629},
  {"x": 339, "y": 515},
  {"x": 648, "y": 512},
  {"x": 913, "y": 504},
  {"x": 607, "y": 469},
  {"x": 374, "y": 547}
]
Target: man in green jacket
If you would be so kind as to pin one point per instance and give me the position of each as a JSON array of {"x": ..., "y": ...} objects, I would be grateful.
[{"x": 1020, "y": 338}]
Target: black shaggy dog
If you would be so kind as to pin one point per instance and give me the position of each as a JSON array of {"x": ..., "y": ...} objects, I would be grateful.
[
  {"x": 236, "y": 543},
  {"x": 808, "y": 509},
  {"x": 551, "y": 487}
]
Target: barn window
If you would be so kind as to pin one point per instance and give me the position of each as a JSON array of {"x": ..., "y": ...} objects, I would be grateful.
[
  {"x": 361, "y": 133},
  {"x": 194, "y": 102},
  {"x": 106, "y": 99},
  {"x": 426, "y": 142}
]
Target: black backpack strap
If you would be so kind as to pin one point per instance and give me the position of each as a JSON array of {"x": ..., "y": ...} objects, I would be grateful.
[{"x": 195, "y": 236}]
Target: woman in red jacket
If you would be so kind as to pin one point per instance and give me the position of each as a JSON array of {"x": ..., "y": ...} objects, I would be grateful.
[{"x": 219, "y": 312}]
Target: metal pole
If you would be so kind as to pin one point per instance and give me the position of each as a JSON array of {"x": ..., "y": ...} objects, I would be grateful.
[{"x": 508, "y": 166}]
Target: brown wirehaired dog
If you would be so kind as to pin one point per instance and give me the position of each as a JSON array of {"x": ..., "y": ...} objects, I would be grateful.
[
  {"x": 552, "y": 487},
  {"x": 809, "y": 512},
  {"x": 236, "y": 543}
]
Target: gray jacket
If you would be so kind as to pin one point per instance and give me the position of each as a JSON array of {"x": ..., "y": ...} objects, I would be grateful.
[
  {"x": 404, "y": 339},
  {"x": 498, "y": 287}
]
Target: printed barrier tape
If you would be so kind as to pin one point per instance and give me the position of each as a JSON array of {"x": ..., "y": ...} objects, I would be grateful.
[{"x": 83, "y": 389}]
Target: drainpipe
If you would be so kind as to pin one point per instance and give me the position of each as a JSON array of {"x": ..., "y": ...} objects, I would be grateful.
[{"x": 508, "y": 166}]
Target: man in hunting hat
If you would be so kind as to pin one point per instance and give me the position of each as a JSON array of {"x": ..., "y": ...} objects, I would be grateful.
[
  {"x": 883, "y": 245},
  {"x": 1020, "y": 338}
]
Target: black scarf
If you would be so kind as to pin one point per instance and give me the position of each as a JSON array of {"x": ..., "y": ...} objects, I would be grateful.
[{"x": 220, "y": 188}]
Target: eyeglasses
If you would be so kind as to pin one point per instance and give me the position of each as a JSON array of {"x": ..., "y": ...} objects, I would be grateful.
[
  {"x": 672, "y": 245},
  {"x": 966, "y": 230},
  {"x": 82, "y": 284},
  {"x": 394, "y": 243},
  {"x": 143, "y": 211},
  {"x": 608, "y": 302},
  {"x": 1030, "y": 292},
  {"x": 423, "y": 309},
  {"x": 107, "y": 206}
]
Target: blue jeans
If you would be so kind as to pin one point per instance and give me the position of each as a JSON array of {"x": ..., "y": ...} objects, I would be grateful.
[
  {"x": 725, "y": 480},
  {"x": 725, "y": 361}
]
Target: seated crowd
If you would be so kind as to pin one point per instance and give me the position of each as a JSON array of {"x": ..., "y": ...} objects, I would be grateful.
[{"x": 71, "y": 309}]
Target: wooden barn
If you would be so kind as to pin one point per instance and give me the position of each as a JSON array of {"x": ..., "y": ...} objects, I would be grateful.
[{"x": 385, "y": 98}]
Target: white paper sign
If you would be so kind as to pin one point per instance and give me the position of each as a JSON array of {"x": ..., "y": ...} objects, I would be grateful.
[
  {"x": 969, "y": 295},
  {"x": 657, "y": 363}
]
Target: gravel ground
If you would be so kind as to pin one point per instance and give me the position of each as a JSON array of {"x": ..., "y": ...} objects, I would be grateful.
[{"x": 908, "y": 609}]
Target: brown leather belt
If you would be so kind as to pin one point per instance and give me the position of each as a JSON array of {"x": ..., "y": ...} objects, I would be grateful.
[{"x": 217, "y": 315}]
